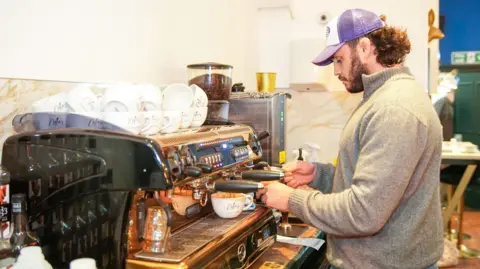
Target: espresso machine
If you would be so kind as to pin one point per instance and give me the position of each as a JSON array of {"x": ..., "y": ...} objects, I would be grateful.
[
  {"x": 109, "y": 195},
  {"x": 266, "y": 113}
]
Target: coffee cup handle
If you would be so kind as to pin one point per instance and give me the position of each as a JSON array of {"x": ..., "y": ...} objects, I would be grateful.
[
  {"x": 145, "y": 128},
  {"x": 250, "y": 203},
  {"x": 100, "y": 102},
  {"x": 169, "y": 122}
]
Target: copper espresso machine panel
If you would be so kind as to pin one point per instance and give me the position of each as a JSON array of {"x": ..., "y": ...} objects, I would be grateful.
[
  {"x": 224, "y": 153},
  {"x": 94, "y": 187}
]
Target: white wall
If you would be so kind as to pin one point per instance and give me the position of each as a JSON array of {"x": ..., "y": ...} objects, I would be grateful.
[
  {"x": 277, "y": 31},
  {"x": 125, "y": 40},
  {"x": 154, "y": 40}
]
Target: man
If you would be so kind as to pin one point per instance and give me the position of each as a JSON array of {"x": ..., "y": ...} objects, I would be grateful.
[
  {"x": 444, "y": 105},
  {"x": 380, "y": 205}
]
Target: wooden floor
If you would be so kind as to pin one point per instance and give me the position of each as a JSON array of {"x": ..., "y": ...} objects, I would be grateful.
[{"x": 471, "y": 226}]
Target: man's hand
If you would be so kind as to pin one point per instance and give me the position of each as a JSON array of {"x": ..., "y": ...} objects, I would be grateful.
[
  {"x": 276, "y": 195},
  {"x": 299, "y": 173}
]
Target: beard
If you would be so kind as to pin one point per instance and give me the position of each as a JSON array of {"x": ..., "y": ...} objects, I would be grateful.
[{"x": 356, "y": 72}]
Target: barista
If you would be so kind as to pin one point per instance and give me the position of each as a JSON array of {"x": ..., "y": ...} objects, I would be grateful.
[{"x": 380, "y": 205}]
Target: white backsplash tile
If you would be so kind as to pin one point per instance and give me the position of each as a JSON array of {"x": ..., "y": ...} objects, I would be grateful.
[
  {"x": 318, "y": 117},
  {"x": 16, "y": 97}
]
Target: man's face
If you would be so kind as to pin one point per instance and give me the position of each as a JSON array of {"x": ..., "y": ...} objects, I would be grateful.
[{"x": 349, "y": 69}]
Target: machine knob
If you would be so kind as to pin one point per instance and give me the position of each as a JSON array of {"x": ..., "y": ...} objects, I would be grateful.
[
  {"x": 260, "y": 165},
  {"x": 266, "y": 233},
  {"x": 193, "y": 171},
  {"x": 206, "y": 168},
  {"x": 189, "y": 160},
  {"x": 241, "y": 252},
  {"x": 263, "y": 135}
]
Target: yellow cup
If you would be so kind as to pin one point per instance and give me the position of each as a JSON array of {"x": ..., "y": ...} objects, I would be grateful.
[{"x": 266, "y": 82}]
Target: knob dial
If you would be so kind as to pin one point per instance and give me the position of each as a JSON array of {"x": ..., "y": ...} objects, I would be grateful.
[{"x": 241, "y": 252}]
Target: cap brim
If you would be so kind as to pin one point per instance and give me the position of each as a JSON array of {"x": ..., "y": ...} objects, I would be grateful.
[{"x": 325, "y": 58}]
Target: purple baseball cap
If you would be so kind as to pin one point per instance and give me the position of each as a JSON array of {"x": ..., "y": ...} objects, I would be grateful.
[{"x": 351, "y": 24}]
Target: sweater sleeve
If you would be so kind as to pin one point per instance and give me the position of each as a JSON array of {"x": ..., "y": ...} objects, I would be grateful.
[
  {"x": 323, "y": 179},
  {"x": 391, "y": 143}
]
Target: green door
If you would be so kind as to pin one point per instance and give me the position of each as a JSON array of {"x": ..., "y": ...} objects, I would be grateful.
[{"x": 467, "y": 107}]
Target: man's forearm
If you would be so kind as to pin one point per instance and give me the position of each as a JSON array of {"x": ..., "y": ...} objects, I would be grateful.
[{"x": 323, "y": 179}]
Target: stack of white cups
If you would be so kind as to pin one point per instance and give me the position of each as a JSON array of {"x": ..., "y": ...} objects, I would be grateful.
[{"x": 142, "y": 109}]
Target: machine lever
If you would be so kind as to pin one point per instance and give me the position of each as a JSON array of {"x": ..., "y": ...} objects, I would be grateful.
[
  {"x": 239, "y": 186},
  {"x": 262, "y": 175}
]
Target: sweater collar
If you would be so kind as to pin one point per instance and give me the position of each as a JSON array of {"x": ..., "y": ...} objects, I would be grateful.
[{"x": 374, "y": 81}]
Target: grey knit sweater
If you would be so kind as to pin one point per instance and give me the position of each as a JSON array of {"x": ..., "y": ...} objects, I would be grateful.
[{"x": 380, "y": 206}]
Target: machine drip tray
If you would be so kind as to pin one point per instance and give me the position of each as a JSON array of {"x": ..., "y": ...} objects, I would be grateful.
[
  {"x": 294, "y": 230},
  {"x": 190, "y": 239}
]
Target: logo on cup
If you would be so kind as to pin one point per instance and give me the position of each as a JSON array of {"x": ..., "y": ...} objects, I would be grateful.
[
  {"x": 88, "y": 104},
  {"x": 234, "y": 207},
  {"x": 60, "y": 107},
  {"x": 200, "y": 102},
  {"x": 197, "y": 116},
  {"x": 133, "y": 121},
  {"x": 95, "y": 123},
  {"x": 150, "y": 120},
  {"x": 56, "y": 121}
]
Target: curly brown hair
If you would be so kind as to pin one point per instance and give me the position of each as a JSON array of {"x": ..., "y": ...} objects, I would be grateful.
[{"x": 391, "y": 43}]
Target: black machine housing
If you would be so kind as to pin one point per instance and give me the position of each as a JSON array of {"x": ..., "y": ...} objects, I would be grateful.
[{"x": 79, "y": 186}]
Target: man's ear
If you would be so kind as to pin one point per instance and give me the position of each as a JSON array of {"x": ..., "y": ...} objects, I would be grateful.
[{"x": 365, "y": 46}]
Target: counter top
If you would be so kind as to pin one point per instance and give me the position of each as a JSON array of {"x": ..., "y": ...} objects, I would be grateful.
[
  {"x": 283, "y": 255},
  {"x": 461, "y": 156}
]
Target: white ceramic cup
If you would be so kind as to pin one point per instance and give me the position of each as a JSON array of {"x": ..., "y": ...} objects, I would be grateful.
[
  {"x": 177, "y": 96},
  {"x": 199, "y": 116},
  {"x": 181, "y": 202},
  {"x": 155, "y": 121},
  {"x": 150, "y": 97},
  {"x": 50, "y": 113},
  {"x": 55, "y": 103},
  {"x": 187, "y": 118},
  {"x": 174, "y": 118},
  {"x": 82, "y": 99},
  {"x": 48, "y": 120},
  {"x": 122, "y": 98},
  {"x": 86, "y": 120},
  {"x": 230, "y": 205},
  {"x": 200, "y": 97},
  {"x": 133, "y": 122}
]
